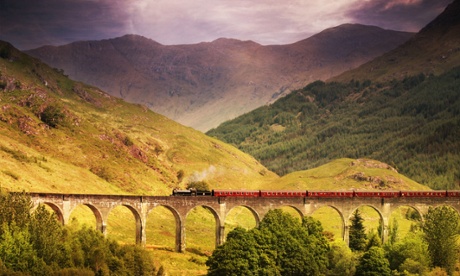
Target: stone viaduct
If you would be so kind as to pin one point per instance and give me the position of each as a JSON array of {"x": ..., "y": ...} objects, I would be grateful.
[{"x": 180, "y": 206}]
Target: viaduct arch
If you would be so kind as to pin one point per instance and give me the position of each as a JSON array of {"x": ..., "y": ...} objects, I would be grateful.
[{"x": 180, "y": 206}]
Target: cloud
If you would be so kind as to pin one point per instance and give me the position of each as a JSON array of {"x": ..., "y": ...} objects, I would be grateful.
[
  {"x": 265, "y": 21},
  {"x": 394, "y": 3},
  {"x": 32, "y": 23},
  {"x": 405, "y": 15}
]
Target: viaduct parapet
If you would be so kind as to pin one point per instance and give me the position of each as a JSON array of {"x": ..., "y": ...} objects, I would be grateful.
[{"x": 180, "y": 206}]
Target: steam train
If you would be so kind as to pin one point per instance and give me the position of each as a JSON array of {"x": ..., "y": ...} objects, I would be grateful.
[{"x": 314, "y": 194}]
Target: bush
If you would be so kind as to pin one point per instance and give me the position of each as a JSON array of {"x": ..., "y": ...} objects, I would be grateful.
[
  {"x": 198, "y": 185},
  {"x": 52, "y": 116}
]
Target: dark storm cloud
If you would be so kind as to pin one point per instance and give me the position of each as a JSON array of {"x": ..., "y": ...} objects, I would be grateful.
[
  {"x": 406, "y": 15},
  {"x": 32, "y": 23}
]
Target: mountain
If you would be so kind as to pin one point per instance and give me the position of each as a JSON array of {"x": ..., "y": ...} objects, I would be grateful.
[
  {"x": 58, "y": 135},
  {"x": 202, "y": 85},
  {"x": 434, "y": 50},
  {"x": 412, "y": 123}
]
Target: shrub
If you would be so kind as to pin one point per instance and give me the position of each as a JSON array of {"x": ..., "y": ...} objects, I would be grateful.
[{"x": 52, "y": 116}]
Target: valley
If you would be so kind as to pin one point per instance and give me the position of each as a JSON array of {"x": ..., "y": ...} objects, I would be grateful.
[
  {"x": 368, "y": 115},
  {"x": 202, "y": 85}
]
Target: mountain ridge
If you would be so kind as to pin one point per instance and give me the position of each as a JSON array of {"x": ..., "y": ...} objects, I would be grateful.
[
  {"x": 419, "y": 54},
  {"x": 204, "y": 84}
]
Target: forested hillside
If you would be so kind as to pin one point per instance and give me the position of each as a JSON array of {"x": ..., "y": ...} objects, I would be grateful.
[{"x": 413, "y": 124}]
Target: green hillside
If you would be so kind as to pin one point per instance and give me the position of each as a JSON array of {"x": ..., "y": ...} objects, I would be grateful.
[
  {"x": 347, "y": 174},
  {"x": 412, "y": 124},
  {"x": 58, "y": 135}
]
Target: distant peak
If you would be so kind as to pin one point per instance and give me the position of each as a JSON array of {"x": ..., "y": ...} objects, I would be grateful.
[
  {"x": 135, "y": 38},
  {"x": 351, "y": 27},
  {"x": 232, "y": 41}
]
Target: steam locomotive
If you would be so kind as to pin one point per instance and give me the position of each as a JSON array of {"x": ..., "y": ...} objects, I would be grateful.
[{"x": 314, "y": 194}]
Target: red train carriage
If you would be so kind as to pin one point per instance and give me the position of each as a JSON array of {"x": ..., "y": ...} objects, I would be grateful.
[
  {"x": 386, "y": 194},
  {"x": 269, "y": 193},
  {"x": 330, "y": 193},
  {"x": 453, "y": 193},
  {"x": 423, "y": 193},
  {"x": 236, "y": 193}
]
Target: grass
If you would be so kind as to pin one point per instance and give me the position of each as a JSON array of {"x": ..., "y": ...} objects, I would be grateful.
[
  {"x": 109, "y": 145},
  {"x": 339, "y": 175}
]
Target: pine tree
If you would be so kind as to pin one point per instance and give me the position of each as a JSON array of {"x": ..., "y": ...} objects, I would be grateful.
[
  {"x": 373, "y": 263},
  {"x": 357, "y": 233}
]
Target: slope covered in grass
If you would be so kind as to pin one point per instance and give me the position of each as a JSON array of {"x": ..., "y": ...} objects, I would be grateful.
[
  {"x": 57, "y": 135},
  {"x": 348, "y": 174}
]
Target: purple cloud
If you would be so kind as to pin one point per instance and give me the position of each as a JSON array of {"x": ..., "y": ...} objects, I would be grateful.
[{"x": 33, "y": 23}]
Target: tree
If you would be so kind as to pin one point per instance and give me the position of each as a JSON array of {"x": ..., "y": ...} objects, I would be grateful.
[
  {"x": 373, "y": 240},
  {"x": 440, "y": 232},
  {"x": 373, "y": 263},
  {"x": 198, "y": 185},
  {"x": 281, "y": 245},
  {"x": 341, "y": 260},
  {"x": 237, "y": 256},
  {"x": 357, "y": 241},
  {"x": 409, "y": 254},
  {"x": 48, "y": 238},
  {"x": 393, "y": 236},
  {"x": 52, "y": 115}
]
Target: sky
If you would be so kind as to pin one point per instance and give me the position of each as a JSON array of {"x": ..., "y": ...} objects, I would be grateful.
[{"x": 29, "y": 24}]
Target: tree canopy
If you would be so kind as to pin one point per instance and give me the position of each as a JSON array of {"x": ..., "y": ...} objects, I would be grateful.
[
  {"x": 281, "y": 245},
  {"x": 441, "y": 231}
]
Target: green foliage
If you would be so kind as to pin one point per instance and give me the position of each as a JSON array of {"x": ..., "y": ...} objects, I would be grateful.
[
  {"x": 373, "y": 240},
  {"x": 373, "y": 263},
  {"x": 440, "y": 229},
  {"x": 342, "y": 261},
  {"x": 413, "y": 215},
  {"x": 281, "y": 245},
  {"x": 393, "y": 233},
  {"x": 409, "y": 254},
  {"x": 35, "y": 243},
  {"x": 357, "y": 232},
  {"x": 104, "y": 173},
  {"x": 52, "y": 115},
  {"x": 127, "y": 141},
  {"x": 238, "y": 256},
  {"x": 412, "y": 124},
  {"x": 198, "y": 185}
]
